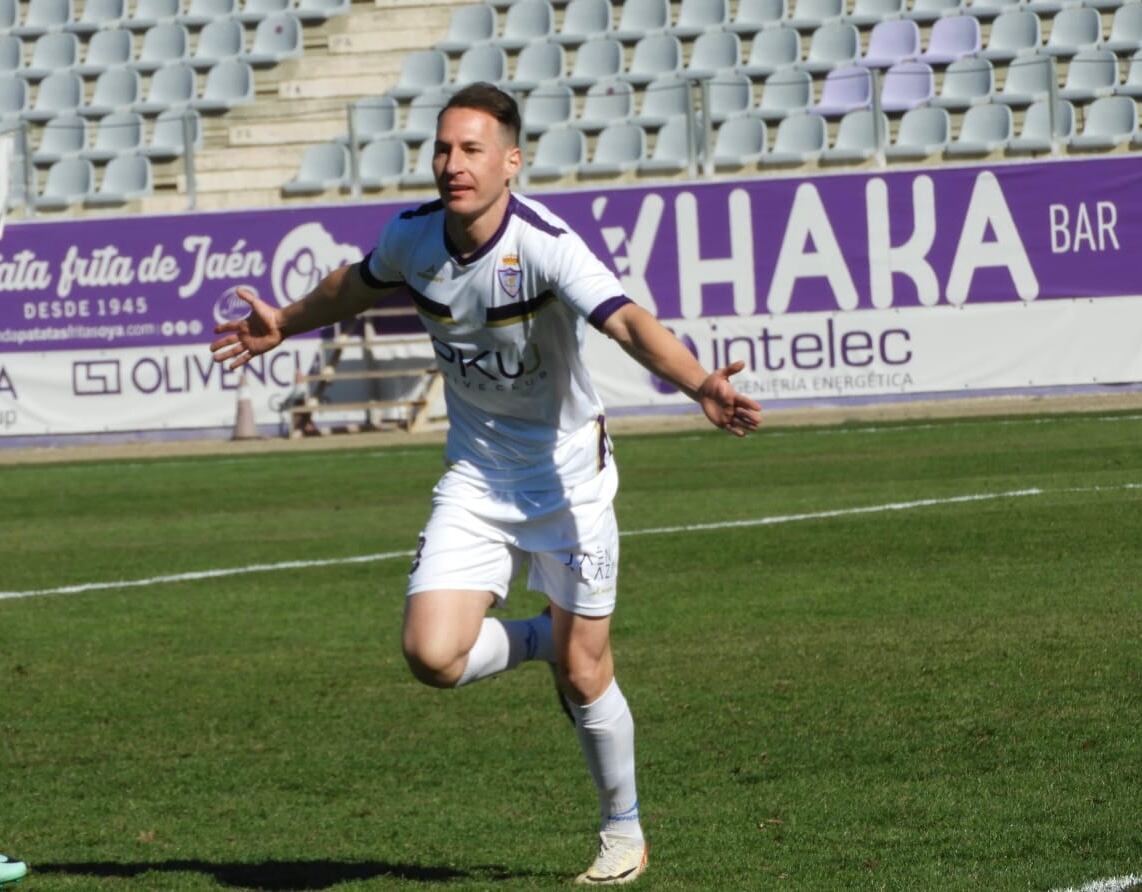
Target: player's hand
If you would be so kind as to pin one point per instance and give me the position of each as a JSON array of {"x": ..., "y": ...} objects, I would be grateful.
[
  {"x": 258, "y": 333},
  {"x": 724, "y": 406}
]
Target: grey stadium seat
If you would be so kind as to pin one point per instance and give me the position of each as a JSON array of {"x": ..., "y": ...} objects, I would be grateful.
[
  {"x": 752, "y": 16},
  {"x": 317, "y": 11},
  {"x": 967, "y": 82},
  {"x": 619, "y": 149},
  {"x": 228, "y": 84},
  {"x": 163, "y": 44},
  {"x": 1125, "y": 29},
  {"x": 640, "y": 18},
  {"x": 773, "y": 48},
  {"x": 696, "y": 17},
  {"x": 43, "y": 16},
  {"x": 126, "y": 177},
  {"x": 116, "y": 89},
  {"x": 421, "y": 175},
  {"x": 420, "y": 71},
  {"x": 559, "y": 153},
  {"x": 892, "y": 41},
  {"x": 61, "y": 92},
  {"x": 68, "y": 182},
  {"x": 219, "y": 40},
  {"x": 989, "y": 9},
  {"x": 800, "y": 139},
  {"x": 277, "y": 37},
  {"x": 712, "y": 53},
  {"x": 984, "y": 129},
  {"x": 373, "y": 117},
  {"x": 858, "y": 137},
  {"x": 420, "y": 122},
  {"x": 8, "y": 15},
  {"x": 1091, "y": 73},
  {"x": 583, "y": 20},
  {"x": 98, "y": 15},
  {"x": 11, "y": 54},
  {"x": 468, "y": 25},
  {"x": 483, "y": 62},
  {"x": 253, "y": 11},
  {"x": 149, "y": 13},
  {"x": 200, "y": 13},
  {"x": 58, "y": 51},
  {"x": 172, "y": 86},
  {"x": 786, "y": 90},
  {"x": 730, "y": 95},
  {"x": 930, "y": 10},
  {"x": 665, "y": 98},
  {"x": 1028, "y": 80},
  {"x": 653, "y": 56},
  {"x": 13, "y": 99},
  {"x": 62, "y": 137},
  {"x": 923, "y": 132},
  {"x": 1013, "y": 33},
  {"x": 1110, "y": 121},
  {"x": 1073, "y": 28},
  {"x": 607, "y": 102},
  {"x": 323, "y": 166},
  {"x": 739, "y": 142},
  {"x": 525, "y": 21},
  {"x": 808, "y": 15},
  {"x": 1036, "y": 133},
  {"x": 671, "y": 152},
  {"x": 1132, "y": 83},
  {"x": 550, "y": 105},
  {"x": 168, "y": 136},
  {"x": 106, "y": 49},
  {"x": 538, "y": 63},
  {"x": 952, "y": 38},
  {"x": 120, "y": 133},
  {"x": 595, "y": 60},
  {"x": 832, "y": 45},
  {"x": 867, "y": 13},
  {"x": 382, "y": 163}
]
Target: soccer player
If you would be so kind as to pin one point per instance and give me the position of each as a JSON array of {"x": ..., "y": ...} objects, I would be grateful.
[
  {"x": 10, "y": 871},
  {"x": 505, "y": 290}
]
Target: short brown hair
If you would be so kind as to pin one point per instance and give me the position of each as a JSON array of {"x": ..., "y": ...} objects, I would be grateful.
[{"x": 488, "y": 98}]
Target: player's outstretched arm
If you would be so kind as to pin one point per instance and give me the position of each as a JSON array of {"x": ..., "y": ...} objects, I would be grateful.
[
  {"x": 657, "y": 350},
  {"x": 340, "y": 295}
]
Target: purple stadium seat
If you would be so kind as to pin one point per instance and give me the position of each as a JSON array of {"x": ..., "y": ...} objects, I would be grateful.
[
  {"x": 845, "y": 89},
  {"x": 907, "y": 85}
]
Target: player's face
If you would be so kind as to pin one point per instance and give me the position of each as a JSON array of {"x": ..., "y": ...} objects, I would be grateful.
[{"x": 473, "y": 163}]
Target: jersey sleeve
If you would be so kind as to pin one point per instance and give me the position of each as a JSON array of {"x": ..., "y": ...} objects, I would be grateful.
[
  {"x": 380, "y": 268},
  {"x": 579, "y": 278}
]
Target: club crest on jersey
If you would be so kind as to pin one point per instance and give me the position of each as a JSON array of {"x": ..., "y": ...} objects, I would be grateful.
[{"x": 510, "y": 275}]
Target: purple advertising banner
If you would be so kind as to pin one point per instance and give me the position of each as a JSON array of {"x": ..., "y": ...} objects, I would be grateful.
[{"x": 772, "y": 246}]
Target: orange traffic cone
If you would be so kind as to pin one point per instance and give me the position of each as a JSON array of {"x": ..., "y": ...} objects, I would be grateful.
[{"x": 244, "y": 427}]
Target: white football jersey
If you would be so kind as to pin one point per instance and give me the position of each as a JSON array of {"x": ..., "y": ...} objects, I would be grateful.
[{"x": 507, "y": 326}]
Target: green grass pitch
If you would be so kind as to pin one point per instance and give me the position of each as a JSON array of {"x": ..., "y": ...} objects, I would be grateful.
[{"x": 937, "y": 696}]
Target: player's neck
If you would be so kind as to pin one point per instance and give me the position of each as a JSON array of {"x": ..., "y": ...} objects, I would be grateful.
[{"x": 470, "y": 234}]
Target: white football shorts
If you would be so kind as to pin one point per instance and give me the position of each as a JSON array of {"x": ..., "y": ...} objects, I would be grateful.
[{"x": 477, "y": 539}]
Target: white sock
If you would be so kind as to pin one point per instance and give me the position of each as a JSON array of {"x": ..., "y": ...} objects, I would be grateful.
[
  {"x": 606, "y": 736},
  {"x": 504, "y": 644}
]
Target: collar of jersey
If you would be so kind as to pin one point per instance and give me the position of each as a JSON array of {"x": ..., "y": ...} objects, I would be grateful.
[{"x": 450, "y": 246}]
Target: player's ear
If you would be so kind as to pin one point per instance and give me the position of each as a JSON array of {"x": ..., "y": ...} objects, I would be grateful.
[{"x": 513, "y": 161}]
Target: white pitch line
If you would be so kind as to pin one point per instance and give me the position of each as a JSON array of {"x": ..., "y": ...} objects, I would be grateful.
[
  {"x": 772, "y": 520},
  {"x": 1113, "y": 884}
]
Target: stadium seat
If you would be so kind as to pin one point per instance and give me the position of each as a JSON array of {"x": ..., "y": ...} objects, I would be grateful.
[
  {"x": 930, "y": 10},
  {"x": 1110, "y": 121},
  {"x": 618, "y": 149},
  {"x": 382, "y": 163},
  {"x": 1132, "y": 83},
  {"x": 662, "y": 99},
  {"x": 695, "y": 17},
  {"x": 832, "y": 45},
  {"x": 468, "y": 26},
  {"x": 752, "y": 16},
  {"x": 43, "y": 16},
  {"x": 923, "y": 132},
  {"x": 730, "y": 94},
  {"x": 654, "y": 56},
  {"x": 116, "y": 89},
  {"x": 106, "y": 49},
  {"x": 69, "y": 181},
  {"x": 1125, "y": 29},
  {"x": 584, "y": 20},
  {"x": 482, "y": 62},
  {"x": 64, "y": 136},
  {"x": 525, "y": 21},
  {"x": 597, "y": 59},
  {"x": 858, "y": 138},
  {"x": 866, "y": 13},
  {"x": 421, "y": 175},
  {"x": 8, "y": 15},
  {"x": 907, "y": 85},
  {"x": 966, "y": 83},
  {"x": 771, "y": 49},
  {"x": 126, "y": 177},
  {"x": 800, "y": 139},
  {"x": 786, "y": 90},
  {"x": 55, "y": 51},
  {"x": 1073, "y": 28},
  {"x": 1028, "y": 80},
  {"x": 323, "y": 166},
  {"x": 739, "y": 143},
  {"x": 712, "y": 53},
  {"x": 172, "y": 86},
  {"x": 374, "y": 117},
  {"x": 989, "y": 9},
  {"x": 892, "y": 41},
  {"x": 559, "y": 153},
  {"x": 11, "y": 55},
  {"x": 985, "y": 129},
  {"x": 169, "y": 137},
  {"x": 640, "y": 18},
  {"x": 119, "y": 133},
  {"x": 201, "y": 13},
  {"x": 1047, "y": 8},
  {"x": 253, "y": 11},
  {"x": 420, "y": 71},
  {"x": 420, "y": 122},
  {"x": 13, "y": 99},
  {"x": 607, "y": 102},
  {"x": 953, "y": 37},
  {"x": 808, "y": 15},
  {"x": 1014, "y": 33},
  {"x": 314, "y": 12},
  {"x": 149, "y": 13},
  {"x": 98, "y": 15},
  {"x": 277, "y": 37},
  {"x": 671, "y": 152},
  {"x": 844, "y": 90},
  {"x": 1035, "y": 135},
  {"x": 163, "y": 44},
  {"x": 549, "y": 105},
  {"x": 228, "y": 84},
  {"x": 219, "y": 40},
  {"x": 1091, "y": 73},
  {"x": 61, "y": 92},
  {"x": 540, "y": 62}
]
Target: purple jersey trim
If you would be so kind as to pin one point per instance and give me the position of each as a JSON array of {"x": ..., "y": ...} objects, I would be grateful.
[
  {"x": 603, "y": 311},
  {"x": 488, "y": 245},
  {"x": 531, "y": 218},
  {"x": 367, "y": 274}
]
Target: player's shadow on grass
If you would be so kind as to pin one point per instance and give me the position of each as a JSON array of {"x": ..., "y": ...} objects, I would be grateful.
[{"x": 283, "y": 876}]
